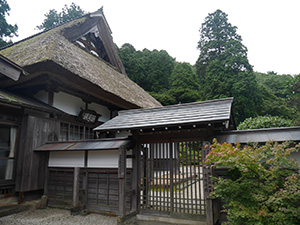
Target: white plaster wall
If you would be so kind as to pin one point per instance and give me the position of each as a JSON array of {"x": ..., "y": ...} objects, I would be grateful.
[
  {"x": 105, "y": 159},
  {"x": 66, "y": 159},
  {"x": 71, "y": 104},
  {"x": 103, "y": 110},
  {"x": 68, "y": 103},
  {"x": 42, "y": 96}
]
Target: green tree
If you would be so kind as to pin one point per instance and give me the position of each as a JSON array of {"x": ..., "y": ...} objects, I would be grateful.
[
  {"x": 293, "y": 89},
  {"x": 149, "y": 69},
  {"x": 54, "y": 18},
  {"x": 274, "y": 82},
  {"x": 183, "y": 84},
  {"x": 275, "y": 106},
  {"x": 262, "y": 185},
  {"x": 223, "y": 68},
  {"x": 6, "y": 30}
]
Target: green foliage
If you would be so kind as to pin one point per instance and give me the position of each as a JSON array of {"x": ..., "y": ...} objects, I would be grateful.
[
  {"x": 149, "y": 69},
  {"x": 165, "y": 98},
  {"x": 183, "y": 84},
  {"x": 273, "y": 105},
  {"x": 293, "y": 89},
  {"x": 264, "y": 122},
  {"x": 276, "y": 92},
  {"x": 274, "y": 82},
  {"x": 54, "y": 18},
  {"x": 6, "y": 30},
  {"x": 190, "y": 153},
  {"x": 158, "y": 73},
  {"x": 262, "y": 185},
  {"x": 223, "y": 68}
]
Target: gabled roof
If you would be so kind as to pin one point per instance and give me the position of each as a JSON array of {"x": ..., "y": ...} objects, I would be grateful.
[
  {"x": 58, "y": 47},
  {"x": 175, "y": 115}
]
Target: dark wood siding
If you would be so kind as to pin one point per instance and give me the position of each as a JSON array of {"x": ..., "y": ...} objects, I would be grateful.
[{"x": 31, "y": 166}]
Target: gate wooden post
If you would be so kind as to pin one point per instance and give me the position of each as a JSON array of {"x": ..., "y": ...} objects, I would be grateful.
[
  {"x": 136, "y": 176},
  {"x": 207, "y": 184},
  {"x": 122, "y": 181},
  {"x": 76, "y": 202}
]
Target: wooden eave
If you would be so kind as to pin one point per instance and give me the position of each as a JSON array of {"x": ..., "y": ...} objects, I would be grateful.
[
  {"x": 10, "y": 69},
  {"x": 20, "y": 101},
  {"x": 214, "y": 115},
  {"x": 74, "y": 84}
]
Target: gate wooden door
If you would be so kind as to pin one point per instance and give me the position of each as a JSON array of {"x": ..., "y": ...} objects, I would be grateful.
[{"x": 172, "y": 178}]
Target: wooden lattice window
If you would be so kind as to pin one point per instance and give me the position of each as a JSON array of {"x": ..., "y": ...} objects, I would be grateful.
[{"x": 72, "y": 132}]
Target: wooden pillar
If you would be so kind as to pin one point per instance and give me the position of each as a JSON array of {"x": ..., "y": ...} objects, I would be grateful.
[
  {"x": 122, "y": 181},
  {"x": 207, "y": 173},
  {"x": 46, "y": 181},
  {"x": 85, "y": 177},
  {"x": 171, "y": 176},
  {"x": 136, "y": 176},
  {"x": 209, "y": 212},
  {"x": 76, "y": 202}
]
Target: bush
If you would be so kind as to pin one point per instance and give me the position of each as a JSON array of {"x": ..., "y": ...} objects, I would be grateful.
[
  {"x": 264, "y": 122},
  {"x": 263, "y": 183}
]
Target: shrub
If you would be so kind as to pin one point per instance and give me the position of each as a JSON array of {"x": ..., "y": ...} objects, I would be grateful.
[
  {"x": 264, "y": 122},
  {"x": 263, "y": 183}
]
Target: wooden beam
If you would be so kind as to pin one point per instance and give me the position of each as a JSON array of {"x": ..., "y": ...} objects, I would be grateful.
[{"x": 165, "y": 137}]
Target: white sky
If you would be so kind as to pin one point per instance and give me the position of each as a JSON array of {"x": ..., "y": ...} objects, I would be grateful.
[{"x": 270, "y": 28}]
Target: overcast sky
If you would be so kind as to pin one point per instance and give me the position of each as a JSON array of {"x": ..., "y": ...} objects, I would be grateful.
[{"x": 270, "y": 28}]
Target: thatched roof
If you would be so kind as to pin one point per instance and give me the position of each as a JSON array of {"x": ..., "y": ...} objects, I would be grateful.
[{"x": 55, "y": 46}]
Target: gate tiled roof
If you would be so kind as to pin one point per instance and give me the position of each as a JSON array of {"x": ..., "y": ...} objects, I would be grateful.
[{"x": 175, "y": 115}]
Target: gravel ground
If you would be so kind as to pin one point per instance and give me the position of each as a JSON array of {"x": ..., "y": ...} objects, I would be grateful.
[{"x": 51, "y": 216}]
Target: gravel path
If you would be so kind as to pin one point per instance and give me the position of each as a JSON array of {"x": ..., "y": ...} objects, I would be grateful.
[{"x": 51, "y": 216}]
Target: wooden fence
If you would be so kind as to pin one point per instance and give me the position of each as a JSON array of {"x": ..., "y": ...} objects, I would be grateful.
[{"x": 98, "y": 188}]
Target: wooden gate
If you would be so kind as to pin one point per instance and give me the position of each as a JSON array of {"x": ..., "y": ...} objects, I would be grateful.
[{"x": 172, "y": 178}]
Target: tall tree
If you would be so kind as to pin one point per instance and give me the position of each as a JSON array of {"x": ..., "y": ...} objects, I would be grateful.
[
  {"x": 223, "y": 68},
  {"x": 6, "y": 30},
  {"x": 184, "y": 86},
  {"x": 294, "y": 95},
  {"x": 54, "y": 18},
  {"x": 149, "y": 69}
]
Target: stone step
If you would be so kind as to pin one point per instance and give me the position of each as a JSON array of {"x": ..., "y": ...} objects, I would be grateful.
[
  {"x": 12, "y": 209},
  {"x": 9, "y": 201},
  {"x": 158, "y": 220}
]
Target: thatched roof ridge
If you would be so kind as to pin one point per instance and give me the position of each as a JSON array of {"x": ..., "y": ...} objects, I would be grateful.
[{"x": 53, "y": 46}]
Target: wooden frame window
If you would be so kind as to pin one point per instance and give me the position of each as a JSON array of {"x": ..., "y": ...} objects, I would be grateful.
[{"x": 72, "y": 132}]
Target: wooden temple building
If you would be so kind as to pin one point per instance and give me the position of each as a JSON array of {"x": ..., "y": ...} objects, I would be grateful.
[{"x": 75, "y": 128}]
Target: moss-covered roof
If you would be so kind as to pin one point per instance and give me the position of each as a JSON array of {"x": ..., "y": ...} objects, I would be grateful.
[{"x": 53, "y": 46}]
